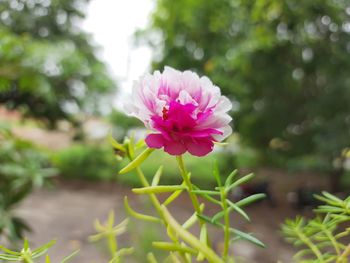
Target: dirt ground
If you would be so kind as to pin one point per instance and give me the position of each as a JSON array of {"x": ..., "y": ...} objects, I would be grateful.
[{"x": 67, "y": 212}]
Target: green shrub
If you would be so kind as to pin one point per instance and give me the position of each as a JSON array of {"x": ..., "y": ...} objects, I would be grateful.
[
  {"x": 91, "y": 162},
  {"x": 324, "y": 238},
  {"x": 23, "y": 167}
]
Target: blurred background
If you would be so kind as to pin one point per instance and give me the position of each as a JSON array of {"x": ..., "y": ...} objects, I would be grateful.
[{"x": 66, "y": 66}]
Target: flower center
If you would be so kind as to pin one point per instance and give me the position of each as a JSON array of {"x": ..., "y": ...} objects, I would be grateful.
[
  {"x": 165, "y": 113},
  {"x": 175, "y": 119}
]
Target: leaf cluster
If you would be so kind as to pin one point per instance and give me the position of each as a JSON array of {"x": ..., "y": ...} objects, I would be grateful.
[
  {"x": 27, "y": 255},
  {"x": 228, "y": 206},
  {"x": 183, "y": 244},
  {"x": 321, "y": 239},
  {"x": 109, "y": 232}
]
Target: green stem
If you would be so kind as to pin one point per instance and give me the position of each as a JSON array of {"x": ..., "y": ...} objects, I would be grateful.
[
  {"x": 157, "y": 205},
  {"x": 210, "y": 255},
  {"x": 309, "y": 243},
  {"x": 332, "y": 239},
  {"x": 344, "y": 255},
  {"x": 27, "y": 259},
  {"x": 153, "y": 197},
  {"x": 113, "y": 247},
  {"x": 227, "y": 224},
  {"x": 188, "y": 183}
]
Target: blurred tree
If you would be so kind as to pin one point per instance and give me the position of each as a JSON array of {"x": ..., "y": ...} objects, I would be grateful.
[
  {"x": 48, "y": 66},
  {"x": 284, "y": 63}
]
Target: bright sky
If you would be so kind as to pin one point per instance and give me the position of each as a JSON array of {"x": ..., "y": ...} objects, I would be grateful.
[{"x": 112, "y": 23}]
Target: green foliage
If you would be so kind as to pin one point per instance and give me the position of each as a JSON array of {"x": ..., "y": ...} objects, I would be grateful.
[
  {"x": 110, "y": 232},
  {"x": 83, "y": 161},
  {"x": 280, "y": 59},
  {"x": 22, "y": 168},
  {"x": 27, "y": 255},
  {"x": 323, "y": 238},
  {"x": 48, "y": 67},
  {"x": 183, "y": 246},
  {"x": 227, "y": 206},
  {"x": 201, "y": 175},
  {"x": 141, "y": 238}
]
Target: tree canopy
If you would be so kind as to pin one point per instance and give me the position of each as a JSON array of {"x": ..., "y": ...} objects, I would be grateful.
[
  {"x": 284, "y": 63},
  {"x": 48, "y": 65}
]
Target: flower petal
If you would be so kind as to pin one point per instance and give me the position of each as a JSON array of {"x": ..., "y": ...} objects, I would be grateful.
[
  {"x": 226, "y": 131},
  {"x": 174, "y": 147},
  {"x": 154, "y": 141},
  {"x": 199, "y": 147}
]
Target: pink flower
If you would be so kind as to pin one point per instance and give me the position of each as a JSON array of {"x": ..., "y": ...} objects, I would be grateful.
[{"x": 183, "y": 111}]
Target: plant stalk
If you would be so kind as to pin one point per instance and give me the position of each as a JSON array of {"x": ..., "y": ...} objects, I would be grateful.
[
  {"x": 343, "y": 257},
  {"x": 313, "y": 248},
  {"x": 188, "y": 183},
  {"x": 227, "y": 224},
  {"x": 157, "y": 205}
]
